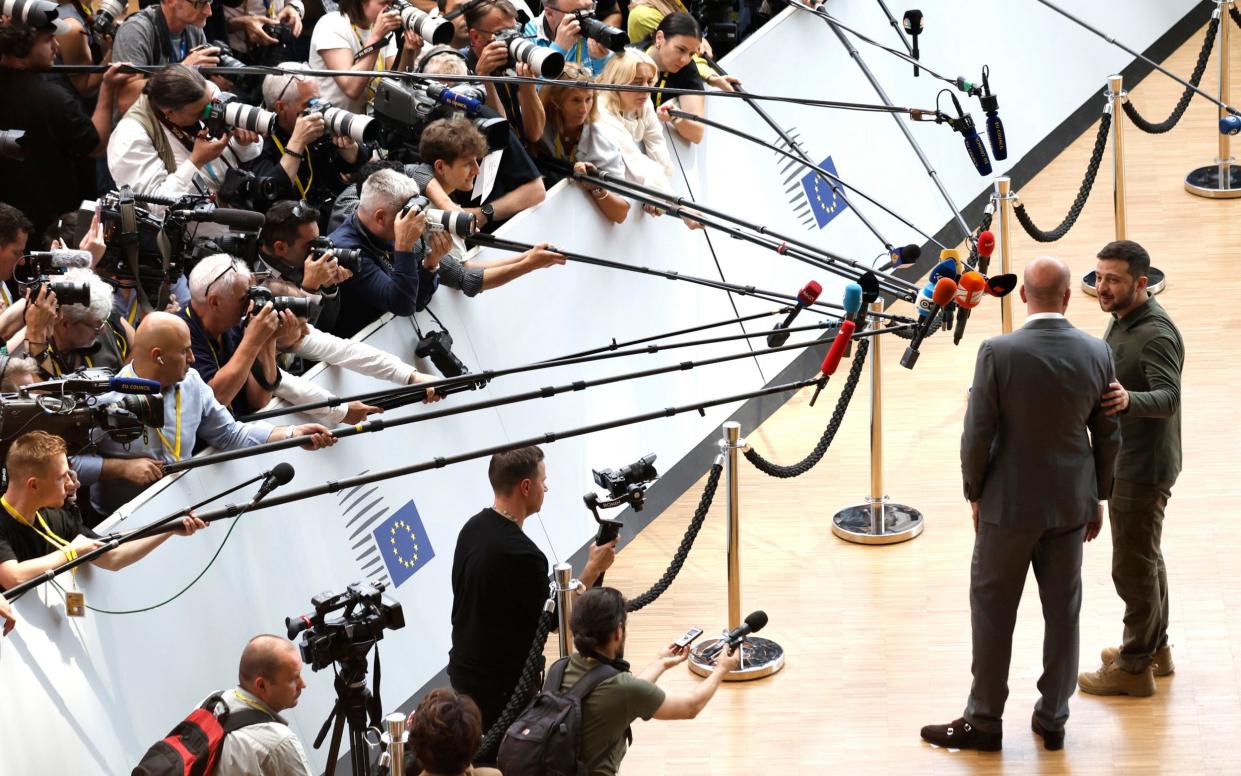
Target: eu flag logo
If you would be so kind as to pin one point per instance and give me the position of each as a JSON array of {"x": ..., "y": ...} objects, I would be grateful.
[
  {"x": 823, "y": 202},
  {"x": 403, "y": 544}
]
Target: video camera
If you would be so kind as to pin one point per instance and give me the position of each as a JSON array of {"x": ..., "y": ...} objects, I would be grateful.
[
  {"x": 242, "y": 245},
  {"x": 262, "y": 296},
  {"x": 457, "y": 222},
  {"x": 611, "y": 38},
  {"x": 404, "y": 109},
  {"x": 348, "y": 258},
  {"x": 626, "y": 485},
  {"x": 41, "y": 267},
  {"x": 367, "y": 614}
]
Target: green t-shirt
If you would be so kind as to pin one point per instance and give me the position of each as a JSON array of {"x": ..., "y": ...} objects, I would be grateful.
[{"x": 607, "y": 712}]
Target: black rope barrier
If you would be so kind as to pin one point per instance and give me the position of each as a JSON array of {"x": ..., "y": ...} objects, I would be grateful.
[
  {"x": 1182, "y": 104},
  {"x": 1235, "y": 14},
  {"x": 833, "y": 425},
  {"x": 1083, "y": 193}
]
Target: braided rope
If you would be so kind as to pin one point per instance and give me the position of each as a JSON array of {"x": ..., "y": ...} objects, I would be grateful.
[
  {"x": 530, "y": 677},
  {"x": 1083, "y": 193},
  {"x": 1182, "y": 104}
]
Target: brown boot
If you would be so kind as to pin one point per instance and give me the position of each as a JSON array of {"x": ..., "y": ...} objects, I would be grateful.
[
  {"x": 1161, "y": 664},
  {"x": 1111, "y": 679}
]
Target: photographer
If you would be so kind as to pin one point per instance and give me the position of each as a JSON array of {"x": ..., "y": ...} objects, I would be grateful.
[
  {"x": 517, "y": 186},
  {"x": 359, "y": 36},
  {"x": 499, "y": 583},
  {"x": 558, "y": 28},
  {"x": 162, "y": 352},
  {"x": 38, "y": 531},
  {"x": 485, "y": 55},
  {"x": 166, "y": 32},
  {"x": 16, "y": 372},
  {"x": 61, "y": 141},
  {"x": 248, "y": 19},
  {"x": 160, "y": 147},
  {"x": 81, "y": 43},
  {"x": 67, "y": 337},
  {"x": 15, "y": 231},
  {"x": 599, "y": 629},
  {"x": 296, "y": 155},
  {"x": 451, "y": 150},
  {"x": 399, "y": 261}
]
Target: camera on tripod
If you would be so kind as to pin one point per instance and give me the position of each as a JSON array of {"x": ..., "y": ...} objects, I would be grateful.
[
  {"x": 262, "y": 296},
  {"x": 367, "y": 614},
  {"x": 626, "y": 485},
  {"x": 348, "y": 258}
]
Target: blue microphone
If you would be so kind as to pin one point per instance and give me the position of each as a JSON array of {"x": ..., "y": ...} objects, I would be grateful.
[
  {"x": 974, "y": 145},
  {"x": 995, "y": 127},
  {"x": 446, "y": 96},
  {"x": 140, "y": 385},
  {"x": 852, "y": 301},
  {"x": 1230, "y": 125},
  {"x": 945, "y": 269},
  {"x": 905, "y": 254}
]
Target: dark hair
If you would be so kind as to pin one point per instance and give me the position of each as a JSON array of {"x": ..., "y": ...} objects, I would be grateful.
[
  {"x": 353, "y": 10},
  {"x": 507, "y": 470},
  {"x": 284, "y": 219},
  {"x": 17, "y": 39},
  {"x": 445, "y": 731},
  {"x": 13, "y": 221},
  {"x": 175, "y": 86},
  {"x": 1128, "y": 251},
  {"x": 678, "y": 24},
  {"x": 475, "y": 12},
  {"x": 451, "y": 139},
  {"x": 596, "y": 616},
  {"x": 68, "y": 223}
]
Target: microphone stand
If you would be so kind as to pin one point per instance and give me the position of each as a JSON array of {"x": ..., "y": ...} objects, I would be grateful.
[
  {"x": 809, "y": 165},
  {"x": 874, "y": 82},
  {"x": 114, "y": 540}
]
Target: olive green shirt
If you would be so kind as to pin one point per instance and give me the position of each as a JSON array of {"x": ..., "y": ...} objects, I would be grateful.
[
  {"x": 607, "y": 712},
  {"x": 1149, "y": 355}
]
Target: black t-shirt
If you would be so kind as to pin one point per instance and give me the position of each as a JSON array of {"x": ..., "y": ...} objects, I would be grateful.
[
  {"x": 21, "y": 543},
  {"x": 516, "y": 170},
  {"x": 320, "y": 174},
  {"x": 58, "y": 172},
  {"x": 210, "y": 355},
  {"x": 499, "y": 586},
  {"x": 685, "y": 78}
]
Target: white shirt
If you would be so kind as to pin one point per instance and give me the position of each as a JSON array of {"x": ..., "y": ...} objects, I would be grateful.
[
  {"x": 298, "y": 390},
  {"x": 1044, "y": 317},
  {"x": 335, "y": 31},
  {"x": 355, "y": 356},
  {"x": 133, "y": 161},
  {"x": 643, "y": 149},
  {"x": 261, "y": 749}
]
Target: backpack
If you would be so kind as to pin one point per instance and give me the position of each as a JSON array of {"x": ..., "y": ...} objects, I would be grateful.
[
  {"x": 193, "y": 746},
  {"x": 546, "y": 738}
]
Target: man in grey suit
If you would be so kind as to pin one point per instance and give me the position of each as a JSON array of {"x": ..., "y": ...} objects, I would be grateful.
[{"x": 1035, "y": 480}]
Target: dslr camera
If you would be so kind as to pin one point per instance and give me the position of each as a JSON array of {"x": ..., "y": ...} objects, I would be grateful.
[
  {"x": 541, "y": 59},
  {"x": 43, "y": 267},
  {"x": 262, "y": 296},
  {"x": 349, "y": 258},
  {"x": 361, "y": 129},
  {"x": 227, "y": 113},
  {"x": 457, "y": 222},
  {"x": 367, "y": 614},
  {"x": 437, "y": 346},
  {"x": 626, "y": 485},
  {"x": 611, "y": 38}
]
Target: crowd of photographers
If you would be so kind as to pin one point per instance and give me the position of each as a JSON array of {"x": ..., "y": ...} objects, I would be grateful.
[{"x": 216, "y": 233}]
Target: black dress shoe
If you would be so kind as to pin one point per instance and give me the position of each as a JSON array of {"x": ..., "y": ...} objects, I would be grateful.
[
  {"x": 960, "y": 734},
  {"x": 1053, "y": 740}
]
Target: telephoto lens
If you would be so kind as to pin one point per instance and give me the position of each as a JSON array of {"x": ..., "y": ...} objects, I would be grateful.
[
  {"x": 433, "y": 29},
  {"x": 610, "y": 37},
  {"x": 70, "y": 293},
  {"x": 38, "y": 14},
  {"x": 361, "y": 129},
  {"x": 226, "y": 57},
  {"x": 544, "y": 61},
  {"x": 242, "y": 116},
  {"x": 457, "y": 222},
  {"x": 106, "y": 15},
  {"x": 348, "y": 258}
]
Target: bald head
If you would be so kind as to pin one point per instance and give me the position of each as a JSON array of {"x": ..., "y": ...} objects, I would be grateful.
[
  {"x": 263, "y": 657},
  {"x": 1045, "y": 287},
  {"x": 158, "y": 330},
  {"x": 162, "y": 348}
]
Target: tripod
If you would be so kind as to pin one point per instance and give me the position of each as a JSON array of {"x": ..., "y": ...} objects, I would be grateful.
[{"x": 354, "y": 704}]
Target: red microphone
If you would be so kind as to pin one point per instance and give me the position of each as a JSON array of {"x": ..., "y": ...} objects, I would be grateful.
[
  {"x": 942, "y": 296},
  {"x": 986, "y": 244},
  {"x": 805, "y": 297},
  {"x": 831, "y": 362}
]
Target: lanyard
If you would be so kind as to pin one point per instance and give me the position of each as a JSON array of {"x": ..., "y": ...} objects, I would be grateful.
[
  {"x": 47, "y": 533},
  {"x": 175, "y": 449},
  {"x": 659, "y": 96},
  {"x": 133, "y": 309},
  {"x": 379, "y": 63},
  {"x": 297, "y": 178},
  {"x": 215, "y": 357},
  {"x": 560, "y": 153},
  {"x": 4, "y": 292},
  {"x": 57, "y": 369}
]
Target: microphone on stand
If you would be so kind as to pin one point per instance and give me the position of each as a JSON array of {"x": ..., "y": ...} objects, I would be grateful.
[
  {"x": 970, "y": 290},
  {"x": 1001, "y": 285},
  {"x": 899, "y": 257},
  {"x": 753, "y": 623},
  {"x": 805, "y": 297},
  {"x": 964, "y": 123},
  {"x": 831, "y": 362},
  {"x": 943, "y": 294}
]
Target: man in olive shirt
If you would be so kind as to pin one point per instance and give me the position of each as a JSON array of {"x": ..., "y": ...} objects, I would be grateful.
[
  {"x": 598, "y": 625},
  {"x": 1149, "y": 355}
]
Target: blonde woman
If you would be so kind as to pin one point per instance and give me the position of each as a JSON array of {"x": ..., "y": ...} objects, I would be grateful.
[{"x": 628, "y": 119}]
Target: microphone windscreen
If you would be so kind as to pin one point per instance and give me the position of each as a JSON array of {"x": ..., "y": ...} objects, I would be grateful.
[
  {"x": 1001, "y": 285},
  {"x": 971, "y": 289},
  {"x": 837, "y": 351},
  {"x": 911, "y": 253},
  {"x": 282, "y": 472},
  {"x": 756, "y": 620},
  {"x": 853, "y": 299},
  {"x": 139, "y": 385},
  {"x": 944, "y": 292},
  {"x": 810, "y": 292},
  {"x": 243, "y": 220},
  {"x": 986, "y": 243},
  {"x": 945, "y": 269},
  {"x": 870, "y": 286}
]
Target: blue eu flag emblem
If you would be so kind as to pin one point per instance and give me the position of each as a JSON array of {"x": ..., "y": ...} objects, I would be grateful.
[
  {"x": 403, "y": 544},
  {"x": 823, "y": 202}
]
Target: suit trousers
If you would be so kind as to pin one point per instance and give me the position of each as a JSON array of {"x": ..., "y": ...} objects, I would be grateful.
[
  {"x": 1002, "y": 557},
  {"x": 1136, "y": 512}
]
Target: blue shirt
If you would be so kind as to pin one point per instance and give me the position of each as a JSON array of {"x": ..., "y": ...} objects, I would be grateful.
[
  {"x": 387, "y": 282},
  {"x": 536, "y": 30}
]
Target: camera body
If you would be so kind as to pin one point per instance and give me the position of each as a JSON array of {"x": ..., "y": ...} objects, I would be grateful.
[
  {"x": 625, "y": 480},
  {"x": 367, "y": 614},
  {"x": 282, "y": 34},
  {"x": 262, "y": 296},
  {"x": 349, "y": 258},
  {"x": 457, "y": 222},
  {"x": 67, "y": 292},
  {"x": 248, "y": 191},
  {"x": 437, "y": 346},
  {"x": 611, "y": 38}
]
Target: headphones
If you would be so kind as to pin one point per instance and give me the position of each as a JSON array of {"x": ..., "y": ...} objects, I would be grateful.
[{"x": 159, "y": 360}]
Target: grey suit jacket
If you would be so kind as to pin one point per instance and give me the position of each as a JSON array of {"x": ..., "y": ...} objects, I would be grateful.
[{"x": 1025, "y": 452}]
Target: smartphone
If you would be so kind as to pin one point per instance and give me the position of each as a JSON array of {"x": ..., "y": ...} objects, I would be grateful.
[{"x": 689, "y": 637}]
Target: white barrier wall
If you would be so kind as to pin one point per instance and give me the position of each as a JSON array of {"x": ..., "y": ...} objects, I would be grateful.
[{"x": 89, "y": 695}]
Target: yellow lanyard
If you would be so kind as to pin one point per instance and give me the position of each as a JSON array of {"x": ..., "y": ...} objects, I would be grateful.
[
  {"x": 47, "y": 533},
  {"x": 175, "y": 449},
  {"x": 51, "y": 353},
  {"x": 250, "y": 703},
  {"x": 133, "y": 309},
  {"x": 659, "y": 96},
  {"x": 379, "y": 64},
  {"x": 4, "y": 292},
  {"x": 560, "y": 154},
  {"x": 297, "y": 178}
]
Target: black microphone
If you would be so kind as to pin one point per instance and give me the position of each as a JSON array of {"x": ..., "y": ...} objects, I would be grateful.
[
  {"x": 899, "y": 257},
  {"x": 753, "y": 623},
  {"x": 929, "y": 304},
  {"x": 995, "y": 127},
  {"x": 912, "y": 22},
  {"x": 805, "y": 297},
  {"x": 242, "y": 220},
  {"x": 280, "y": 474}
]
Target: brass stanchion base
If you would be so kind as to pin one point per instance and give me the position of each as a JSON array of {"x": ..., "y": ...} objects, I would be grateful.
[
  {"x": 1158, "y": 281},
  {"x": 1210, "y": 182},
  {"x": 877, "y": 522},
  {"x": 759, "y": 658}
]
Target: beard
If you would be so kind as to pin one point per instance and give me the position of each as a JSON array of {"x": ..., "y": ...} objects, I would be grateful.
[{"x": 1117, "y": 301}]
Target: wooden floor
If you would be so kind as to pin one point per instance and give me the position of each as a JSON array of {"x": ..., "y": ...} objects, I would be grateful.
[{"x": 878, "y": 638}]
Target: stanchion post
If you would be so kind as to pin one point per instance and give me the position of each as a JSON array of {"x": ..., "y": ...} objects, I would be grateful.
[
  {"x": 564, "y": 586},
  {"x": 1116, "y": 96},
  {"x": 877, "y": 521},
  {"x": 394, "y": 738},
  {"x": 1221, "y": 180},
  {"x": 1003, "y": 198},
  {"x": 759, "y": 657}
]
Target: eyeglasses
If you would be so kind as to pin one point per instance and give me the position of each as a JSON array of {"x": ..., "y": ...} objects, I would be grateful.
[
  {"x": 292, "y": 77},
  {"x": 230, "y": 268},
  {"x": 95, "y": 327}
]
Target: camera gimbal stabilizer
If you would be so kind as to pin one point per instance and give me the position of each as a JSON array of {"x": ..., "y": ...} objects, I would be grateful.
[{"x": 626, "y": 485}]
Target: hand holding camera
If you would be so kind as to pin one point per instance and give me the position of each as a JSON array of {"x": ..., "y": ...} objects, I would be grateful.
[
  {"x": 309, "y": 127},
  {"x": 202, "y": 56},
  {"x": 568, "y": 33},
  {"x": 207, "y": 149},
  {"x": 410, "y": 224},
  {"x": 261, "y": 327}
]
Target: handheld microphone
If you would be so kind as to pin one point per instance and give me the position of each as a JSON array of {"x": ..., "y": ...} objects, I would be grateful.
[
  {"x": 753, "y": 623},
  {"x": 852, "y": 301},
  {"x": 906, "y": 254},
  {"x": 1001, "y": 285},
  {"x": 970, "y": 290},
  {"x": 986, "y": 244},
  {"x": 995, "y": 127},
  {"x": 1230, "y": 125},
  {"x": 912, "y": 22},
  {"x": 805, "y": 297},
  {"x": 831, "y": 362},
  {"x": 964, "y": 123},
  {"x": 280, "y": 474},
  {"x": 949, "y": 266},
  {"x": 870, "y": 289},
  {"x": 241, "y": 220},
  {"x": 942, "y": 296}
]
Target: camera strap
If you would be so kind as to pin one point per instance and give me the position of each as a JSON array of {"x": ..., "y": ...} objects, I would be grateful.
[{"x": 129, "y": 241}]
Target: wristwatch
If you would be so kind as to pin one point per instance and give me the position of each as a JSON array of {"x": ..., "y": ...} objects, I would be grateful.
[{"x": 489, "y": 211}]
